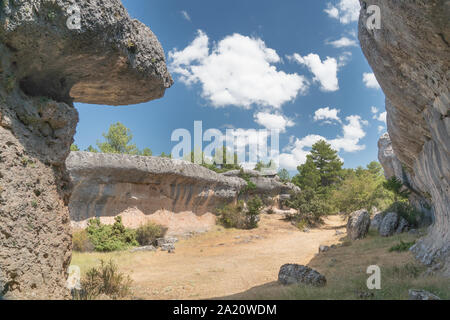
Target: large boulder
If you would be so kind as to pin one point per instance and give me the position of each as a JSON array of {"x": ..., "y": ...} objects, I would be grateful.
[
  {"x": 409, "y": 56},
  {"x": 389, "y": 224},
  {"x": 358, "y": 224},
  {"x": 375, "y": 222},
  {"x": 298, "y": 274},
  {"x": 44, "y": 67}
]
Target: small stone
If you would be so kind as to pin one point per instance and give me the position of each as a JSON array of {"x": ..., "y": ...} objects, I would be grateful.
[
  {"x": 324, "y": 249},
  {"x": 141, "y": 249},
  {"x": 167, "y": 247},
  {"x": 295, "y": 274},
  {"x": 422, "y": 295}
]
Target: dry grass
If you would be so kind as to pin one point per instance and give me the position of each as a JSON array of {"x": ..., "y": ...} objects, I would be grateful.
[
  {"x": 345, "y": 269},
  {"x": 248, "y": 270}
]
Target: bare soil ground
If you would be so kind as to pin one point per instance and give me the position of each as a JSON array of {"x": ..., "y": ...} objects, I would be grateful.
[{"x": 222, "y": 262}]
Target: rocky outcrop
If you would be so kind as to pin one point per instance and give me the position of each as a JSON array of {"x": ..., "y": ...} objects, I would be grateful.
[
  {"x": 178, "y": 194},
  {"x": 389, "y": 224},
  {"x": 394, "y": 168},
  {"x": 294, "y": 274},
  {"x": 358, "y": 224},
  {"x": 409, "y": 56},
  {"x": 44, "y": 67},
  {"x": 376, "y": 221},
  {"x": 267, "y": 184}
]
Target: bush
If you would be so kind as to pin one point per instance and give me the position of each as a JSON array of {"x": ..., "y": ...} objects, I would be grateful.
[
  {"x": 104, "y": 280},
  {"x": 407, "y": 212},
  {"x": 81, "y": 241},
  {"x": 311, "y": 206},
  {"x": 147, "y": 234},
  {"x": 240, "y": 217},
  {"x": 402, "y": 246},
  {"x": 107, "y": 238},
  {"x": 232, "y": 215},
  {"x": 254, "y": 206}
]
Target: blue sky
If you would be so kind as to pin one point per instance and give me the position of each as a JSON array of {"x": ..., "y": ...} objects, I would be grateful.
[{"x": 292, "y": 65}]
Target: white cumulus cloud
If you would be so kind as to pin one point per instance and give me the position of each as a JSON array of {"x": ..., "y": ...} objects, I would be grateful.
[
  {"x": 325, "y": 72},
  {"x": 238, "y": 71},
  {"x": 273, "y": 121},
  {"x": 349, "y": 141},
  {"x": 370, "y": 81},
  {"x": 327, "y": 114},
  {"x": 345, "y": 11},
  {"x": 343, "y": 42}
]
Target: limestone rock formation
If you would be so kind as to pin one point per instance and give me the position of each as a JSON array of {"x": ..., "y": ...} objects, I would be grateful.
[
  {"x": 409, "y": 56},
  {"x": 294, "y": 273},
  {"x": 394, "y": 168},
  {"x": 389, "y": 224},
  {"x": 376, "y": 221},
  {"x": 358, "y": 224},
  {"x": 267, "y": 184},
  {"x": 44, "y": 67},
  {"x": 176, "y": 193}
]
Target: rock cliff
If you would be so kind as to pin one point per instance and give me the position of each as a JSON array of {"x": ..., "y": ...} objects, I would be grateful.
[
  {"x": 410, "y": 58},
  {"x": 44, "y": 67},
  {"x": 178, "y": 194},
  {"x": 394, "y": 168}
]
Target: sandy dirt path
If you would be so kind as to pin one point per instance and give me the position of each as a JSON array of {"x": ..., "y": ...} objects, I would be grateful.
[{"x": 226, "y": 262}]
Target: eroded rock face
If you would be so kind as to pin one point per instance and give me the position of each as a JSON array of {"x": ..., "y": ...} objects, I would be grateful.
[
  {"x": 44, "y": 67},
  {"x": 394, "y": 168},
  {"x": 409, "y": 56},
  {"x": 176, "y": 193}
]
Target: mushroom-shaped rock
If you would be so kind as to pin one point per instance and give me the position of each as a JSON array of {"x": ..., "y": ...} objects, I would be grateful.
[
  {"x": 106, "y": 58},
  {"x": 51, "y": 54}
]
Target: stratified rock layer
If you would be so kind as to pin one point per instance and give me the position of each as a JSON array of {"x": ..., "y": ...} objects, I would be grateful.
[
  {"x": 44, "y": 67},
  {"x": 178, "y": 194},
  {"x": 410, "y": 59}
]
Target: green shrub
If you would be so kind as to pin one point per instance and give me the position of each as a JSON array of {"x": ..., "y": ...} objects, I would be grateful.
[
  {"x": 311, "y": 206},
  {"x": 254, "y": 206},
  {"x": 103, "y": 280},
  {"x": 81, "y": 242},
  {"x": 402, "y": 246},
  {"x": 239, "y": 217},
  {"x": 147, "y": 234},
  {"x": 107, "y": 238},
  {"x": 232, "y": 215},
  {"x": 405, "y": 271}
]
